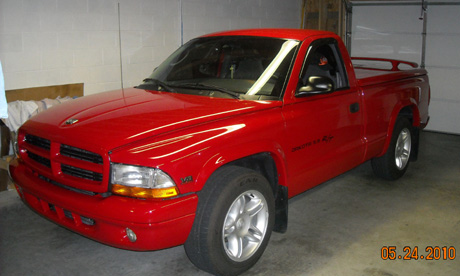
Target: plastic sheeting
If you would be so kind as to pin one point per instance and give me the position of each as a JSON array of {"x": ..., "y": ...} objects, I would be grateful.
[
  {"x": 21, "y": 111},
  {"x": 3, "y": 105}
]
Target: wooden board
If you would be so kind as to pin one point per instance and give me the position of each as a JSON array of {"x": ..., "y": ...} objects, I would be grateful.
[{"x": 40, "y": 93}]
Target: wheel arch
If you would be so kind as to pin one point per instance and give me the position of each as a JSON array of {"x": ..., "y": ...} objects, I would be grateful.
[
  {"x": 407, "y": 110},
  {"x": 264, "y": 164},
  {"x": 269, "y": 163}
]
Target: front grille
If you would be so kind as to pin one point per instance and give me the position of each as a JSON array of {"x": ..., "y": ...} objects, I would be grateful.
[
  {"x": 77, "y": 172},
  {"x": 64, "y": 165},
  {"x": 38, "y": 141},
  {"x": 81, "y": 154},
  {"x": 39, "y": 159}
]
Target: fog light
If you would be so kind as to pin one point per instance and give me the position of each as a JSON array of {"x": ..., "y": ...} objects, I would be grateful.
[{"x": 131, "y": 235}]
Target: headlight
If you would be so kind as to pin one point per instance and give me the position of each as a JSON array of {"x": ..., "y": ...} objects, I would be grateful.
[{"x": 142, "y": 182}]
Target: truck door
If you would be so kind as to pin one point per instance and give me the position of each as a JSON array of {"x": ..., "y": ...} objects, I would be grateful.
[{"x": 324, "y": 122}]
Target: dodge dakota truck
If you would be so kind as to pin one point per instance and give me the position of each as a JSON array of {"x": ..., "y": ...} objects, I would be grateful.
[{"x": 208, "y": 149}]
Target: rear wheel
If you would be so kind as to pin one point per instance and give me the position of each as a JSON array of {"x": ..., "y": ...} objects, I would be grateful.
[
  {"x": 234, "y": 221},
  {"x": 393, "y": 164}
]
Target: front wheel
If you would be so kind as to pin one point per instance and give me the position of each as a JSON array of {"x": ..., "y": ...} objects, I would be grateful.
[
  {"x": 393, "y": 164},
  {"x": 234, "y": 221}
]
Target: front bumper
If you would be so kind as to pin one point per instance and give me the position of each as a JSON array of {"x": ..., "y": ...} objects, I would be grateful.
[{"x": 157, "y": 224}]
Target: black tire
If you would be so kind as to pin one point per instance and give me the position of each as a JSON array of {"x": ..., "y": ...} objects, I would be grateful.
[
  {"x": 206, "y": 245},
  {"x": 393, "y": 164}
]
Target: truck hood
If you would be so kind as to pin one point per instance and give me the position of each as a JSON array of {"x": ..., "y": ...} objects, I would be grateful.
[{"x": 116, "y": 118}]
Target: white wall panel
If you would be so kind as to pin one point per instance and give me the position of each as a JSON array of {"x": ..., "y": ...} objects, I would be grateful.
[
  {"x": 444, "y": 19},
  {"x": 387, "y": 32},
  {"x": 445, "y": 83},
  {"x": 443, "y": 65},
  {"x": 388, "y": 19},
  {"x": 442, "y": 50},
  {"x": 395, "y": 31},
  {"x": 445, "y": 116}
]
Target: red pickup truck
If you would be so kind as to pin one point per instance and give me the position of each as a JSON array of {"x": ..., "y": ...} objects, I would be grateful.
[{"x": 209, "y": 148}]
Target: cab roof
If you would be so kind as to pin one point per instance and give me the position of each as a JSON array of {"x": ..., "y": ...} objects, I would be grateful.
[{"x": 297, "y": 34}]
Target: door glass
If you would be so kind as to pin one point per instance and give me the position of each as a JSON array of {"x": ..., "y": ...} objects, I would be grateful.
[{"x": 325, "y": 61}]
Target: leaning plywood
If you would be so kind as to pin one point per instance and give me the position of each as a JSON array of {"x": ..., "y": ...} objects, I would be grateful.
[{"x": 40, "y": 93}]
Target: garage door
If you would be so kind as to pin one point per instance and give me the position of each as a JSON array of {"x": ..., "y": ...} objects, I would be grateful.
[{"x": 394, "y": 30}]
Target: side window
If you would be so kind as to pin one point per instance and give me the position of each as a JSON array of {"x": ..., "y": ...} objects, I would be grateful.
[{"x": 324, "y": 60}]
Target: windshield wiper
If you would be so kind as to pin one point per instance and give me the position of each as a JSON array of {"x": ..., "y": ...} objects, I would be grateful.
[
  {"x": 159, "y": 83},
  {"x": 209, "y": 87}
]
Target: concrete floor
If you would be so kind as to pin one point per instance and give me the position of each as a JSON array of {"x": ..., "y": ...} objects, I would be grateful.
[{"x": 337, "y": 228}]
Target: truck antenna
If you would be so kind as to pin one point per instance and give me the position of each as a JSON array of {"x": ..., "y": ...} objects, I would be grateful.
[
  {"x": 181, "y": 26},
  {"x": 119, "y": 45}
]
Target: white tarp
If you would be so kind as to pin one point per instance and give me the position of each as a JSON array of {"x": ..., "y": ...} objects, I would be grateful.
[
  {"x": 3, "y": 105},
  {"x": 20, "y": 111}
]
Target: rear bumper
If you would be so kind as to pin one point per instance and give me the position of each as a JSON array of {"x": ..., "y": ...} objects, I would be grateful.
[{"x": 157, "y": 224}]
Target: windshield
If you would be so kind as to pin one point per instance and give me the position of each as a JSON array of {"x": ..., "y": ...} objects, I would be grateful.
[{"x": 254, "y": 68}]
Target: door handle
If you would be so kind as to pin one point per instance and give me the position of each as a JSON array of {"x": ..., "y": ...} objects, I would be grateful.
[{"x": 354, "y": 107}]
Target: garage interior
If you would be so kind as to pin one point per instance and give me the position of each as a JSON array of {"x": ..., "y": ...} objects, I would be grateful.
[{"x": 342, "y": 227}]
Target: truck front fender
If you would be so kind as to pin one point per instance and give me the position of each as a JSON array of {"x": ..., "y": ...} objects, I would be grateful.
[
  {"x": 234, "y": 153},
  {"x": 191, "y": 155}
]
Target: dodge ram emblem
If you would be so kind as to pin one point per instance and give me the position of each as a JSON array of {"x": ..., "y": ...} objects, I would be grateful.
[{"x": 71, "y": 121}]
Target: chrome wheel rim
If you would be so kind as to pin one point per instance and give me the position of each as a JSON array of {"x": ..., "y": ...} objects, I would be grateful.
[
  {"x": 402, "y": 150},
  {"x": 245, "y": 226}
]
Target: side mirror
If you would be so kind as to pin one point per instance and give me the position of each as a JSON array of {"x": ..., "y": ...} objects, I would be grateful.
[{"x": 316, "y": 85}]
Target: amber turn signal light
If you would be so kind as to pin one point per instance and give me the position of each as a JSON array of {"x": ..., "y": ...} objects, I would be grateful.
[{"x": 138, "y": 192}]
